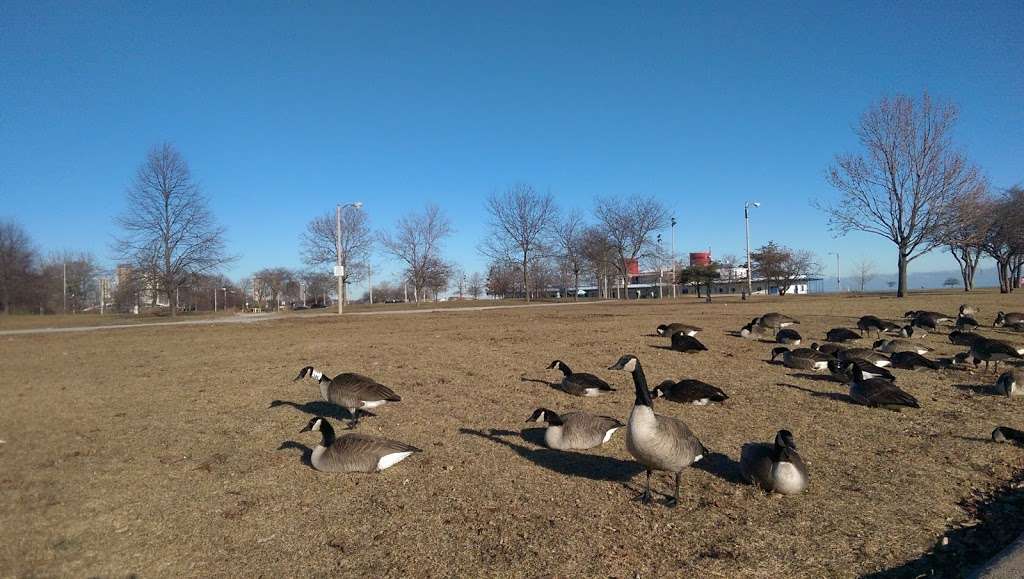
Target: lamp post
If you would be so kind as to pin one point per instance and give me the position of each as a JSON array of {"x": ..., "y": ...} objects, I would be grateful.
[
  {"x": 339, "y": 273},
  {"x": 746, "y": 224},
  {"x": 839, "y": 277},
  {"x": 673, "y": 257}
]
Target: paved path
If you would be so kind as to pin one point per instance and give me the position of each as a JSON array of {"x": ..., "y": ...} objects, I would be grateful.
[
  {"x": 254, "y": 318},
  {"x": 1008, "y": 564}
]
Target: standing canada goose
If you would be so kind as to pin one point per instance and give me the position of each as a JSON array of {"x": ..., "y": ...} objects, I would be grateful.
[
  {"x": 1007, "y": 434},
  {"x": 788, "y": 336},
  {"x": 965, "y": 322},
  {"x": 880, "y": 360},
  {"x": 964, "y": 338},
  {"x": 669, "y": 329},
  {"x": 774, "y": 321},
  {"x": 876, "y": 324},
  {"x": 774, "y": 467},
  {"x": 830, "y": 349},
  {"x": 1010, "y": 319},
  {"x": 657, "y": 442},
  {"x": 688, "y": 344},
  {"x": 842, "y": 335},
  {"x": 879, "y": 392},
  {"x": 893, "y": 346},
  {"x": 581, "y": 383},
  {"x": 912, "y": 361},
  {"x": 354, "y": 452},
  {"x": 575, "y": 430},
  {"x": 754, "y": 331},
  {"x": 843, "y": 369},
  {"x": 351, "y": 391},
  {"x": 988, "y": 350},
  {"x": 802, "y": 358},
  {"x": 689, "y": 392},
  {"x": 1011, "y": 383},
  {"x": 968, "y": 310}
]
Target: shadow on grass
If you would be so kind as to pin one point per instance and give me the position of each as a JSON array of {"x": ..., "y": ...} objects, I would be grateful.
[
  {"x": 320, "y": 408},
  {"x": 830, "y": 395},
  {"x": 674, "y": 350},
  {"x": 307, "y": 452},
  {"x": 592, "y": 466},
  {"x": 721, "y": 466},
  {"x": 982, "y": 389},
  {"x": 816, "y": 377}
]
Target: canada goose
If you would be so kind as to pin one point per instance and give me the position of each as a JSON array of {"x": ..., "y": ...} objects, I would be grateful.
[
  {"x": 1010, "y": 319},
  {"x": 932, "y": 317},
  {"x": 965, "y": 322},
  {"x": 754, "y": 331},
  {"x": 688, "y": 344},
  {"x": 775, "y": 467},
  {"x": 689, "y": 392},
  {"x": 1018, "y": 327},
  {"x": 669, "y": 329},
  {"x": 879, "y": 392},
  {"x": 1011, "y": 383},
  {"x": 657, "y": 442},
  {"x": 775, "y": 321},
  {"x": 1007, "y": 434},
  {"x": 788, "y": 336},
  {"x": 802, "y": 358},
  {"x": 988, "y": 350},
  {"x": 912, "y": 361},
  {"x": 968, "y": 310},
  {"x": 893, "y": 346},
  {"x": 880, "y": 360},
  {"x": 354, "y": 452},
  {"x": 964, "y": 338},
  {"x": 830, "y": 349},
  {"x": 575, "y": 430},
  {"x": 580, "y": 384},
  {"x": 353, "y": 392},
  {"x": 842, "y": 335},
  {"x": 876, "y": 324},
  {"x": 925, "y": 322},
  {"x": 843, "y": 369}
]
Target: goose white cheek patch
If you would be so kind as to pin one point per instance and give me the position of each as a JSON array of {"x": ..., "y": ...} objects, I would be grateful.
[
  {"x": 630, "y": 366},
  {"x": 317, "y": 374}
]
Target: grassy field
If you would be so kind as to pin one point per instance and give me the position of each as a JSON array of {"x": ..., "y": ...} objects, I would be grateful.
[{"x": 156, "y": 450}]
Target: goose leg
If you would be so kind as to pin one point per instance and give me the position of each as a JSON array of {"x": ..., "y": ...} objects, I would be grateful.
[
  {"x": 355, "y": 418},
  {"x": 646, "y": 497},
  {"x": 674, "y": 501}
]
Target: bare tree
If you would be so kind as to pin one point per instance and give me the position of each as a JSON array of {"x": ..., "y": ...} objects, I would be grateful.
[
  {"x": 417, "y": 242},
  {"x": 864, "y": 272},
  {"x": 783, "y": 266},
  {"x": 168, "y": 228},
  {"x": 475, "y": 285},
  {"x": 501, "y": 279},
  {"x": 521, "y": 224},
  {"x": 965, "y": 229},
  {"x": 1004, "y": 240},
  {"x": 569, "y": 234},
  {"x": 317, "y": 285},
  {"x": 901, "y": 187},
  {"x": 628, "y": 225},
  {"x": 17, "y": 261},
  {"x": 320, "y": 243},
  {"x": 76, "y": 271},
  {"x": 277, "y": 281}
]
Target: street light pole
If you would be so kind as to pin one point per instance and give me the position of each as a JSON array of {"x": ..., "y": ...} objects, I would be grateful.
[
  {"x": 839, "y": 277},
  {"x": 337, "y": 247},
  {"x": 746, "y": 224},
  {"x": 673, "y": 257}
]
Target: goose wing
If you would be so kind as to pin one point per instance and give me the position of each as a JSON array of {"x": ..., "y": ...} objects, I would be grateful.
[
  {"x": 366, "y": 390},
  {"x": 583, "y": 430},
  {"x": 869, "y": 368},
  {"x": 360, "y": 453},
  {"x": 583, "y": 380},
  {"x": 681, "y": 341},
  {"x": 911, "y": 360},
  {"x": 756, "y": 463},
  {"x": 692, "y": 390},
  {"x": 881, "y": 392},
  {"x": 682, "y": 447}
]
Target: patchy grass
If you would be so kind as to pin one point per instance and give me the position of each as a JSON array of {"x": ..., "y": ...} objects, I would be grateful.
[{"x": 156, "y": 450}]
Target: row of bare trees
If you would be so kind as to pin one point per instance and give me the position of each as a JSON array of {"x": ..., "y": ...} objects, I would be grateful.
[{"x": 914, "y": 187}]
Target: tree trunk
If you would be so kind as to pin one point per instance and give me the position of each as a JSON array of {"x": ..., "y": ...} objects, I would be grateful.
[
  {"x": 901, "y": 290},
  {"x": 576, "y": 289},
  {"x": 1003, "y": 269},
  {"x": 526, "y": 279}
]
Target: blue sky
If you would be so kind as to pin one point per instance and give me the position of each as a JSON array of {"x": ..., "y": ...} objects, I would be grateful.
[{"x": 284, "y": 109}]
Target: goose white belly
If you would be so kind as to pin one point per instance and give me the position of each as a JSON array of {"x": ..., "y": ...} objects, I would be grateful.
[
  {"x": 608, "y": 435},
  {"x": 591, "y": 391},
  {"x": 787, "y": 478},
  {"x": 392, "y": 459},
  {"x": 373, "y": 403},
  {"x": 553, "y": 437},
  {"x": 317, "y": 455}
]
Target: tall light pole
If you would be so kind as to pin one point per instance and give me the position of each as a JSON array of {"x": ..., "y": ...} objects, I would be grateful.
[
  {"x": 746, "y": 224},
  {"x": 673, "y": 257},
  {"x": 839, "y": 277},
  {"x": 339, "y": 271}
]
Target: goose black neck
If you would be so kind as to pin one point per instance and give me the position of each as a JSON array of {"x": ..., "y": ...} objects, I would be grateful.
[
  {"x": 643, "y": 395},
  {"x": 327, "y": 431},
  {"x": 566, "y": 371},
  {"x": 552, "y": 418}
]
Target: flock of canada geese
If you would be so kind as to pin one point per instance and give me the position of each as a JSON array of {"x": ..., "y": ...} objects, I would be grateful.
[{"x": 663, "y": 443}]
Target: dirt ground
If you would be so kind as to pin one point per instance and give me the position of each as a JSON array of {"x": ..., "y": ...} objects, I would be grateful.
[{"x": 156, "y": 451}]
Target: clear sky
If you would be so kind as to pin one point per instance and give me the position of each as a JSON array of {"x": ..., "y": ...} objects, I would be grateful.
[{"x": 284, "y": 109}]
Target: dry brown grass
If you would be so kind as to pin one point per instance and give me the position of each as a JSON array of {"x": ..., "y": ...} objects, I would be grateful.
[{"x": 153, "y": 450}]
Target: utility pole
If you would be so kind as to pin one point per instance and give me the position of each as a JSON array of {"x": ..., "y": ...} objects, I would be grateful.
[
  {"x": 102, "y": 291},
  {"x": 339, "y": 271},
  {"x": 369, "y": 279},
  {"x": 65, "y": 287},
  {"x": 214, "y": 300},
  {"x": 673, "y": 257},
  {"x": 839, "y": 277},
  {"x": 746, "y": 224}
]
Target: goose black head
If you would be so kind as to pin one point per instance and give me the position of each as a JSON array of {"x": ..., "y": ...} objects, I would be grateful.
[
  {"x": 998, "y": 435},
  {"x": 544, "y": 415},
  {"x": 659, "y": 390},
  {"x": 910, "y": 314},
  {"x": 556, "y": 365},
  {"x": 312, "y": 372},
  {"x": 777, "y": 351},
  {"x": 313, "y": 425},
  {"x": 628, "y": 363},
  {"x": 661, "y": 329},
  {"x": 815, "y": 346},
  {"x": 784, "y": 438},
  {"x": 878, "y": 344}
]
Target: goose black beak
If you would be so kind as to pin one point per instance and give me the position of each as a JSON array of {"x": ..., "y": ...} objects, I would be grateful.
[
  {"x": 616, "y": 366},
  {"x": 305, "y": 429}
]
